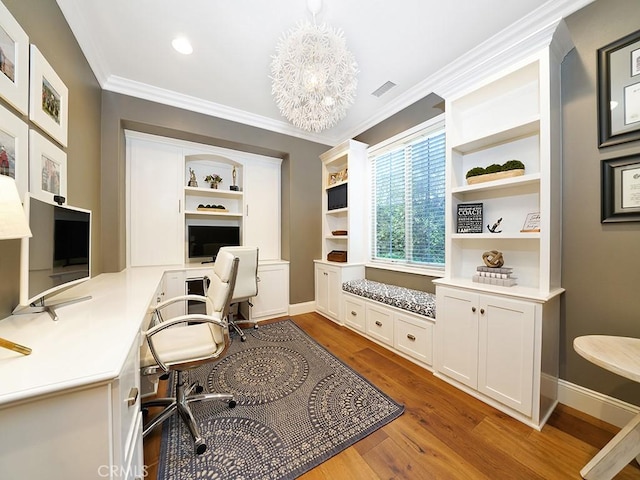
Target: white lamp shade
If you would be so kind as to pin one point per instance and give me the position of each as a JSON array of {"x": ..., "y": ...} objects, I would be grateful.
[{"x": 13, "y": 222}]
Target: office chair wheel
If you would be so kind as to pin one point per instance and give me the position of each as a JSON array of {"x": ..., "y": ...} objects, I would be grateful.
[
  {"x": 255, "y": 326},
  {"x": 243, "y": 338},
  {"x": 200, "y": 446},
  {"x": 232, "y": 403},
  {"x": 199, "y": 389}
]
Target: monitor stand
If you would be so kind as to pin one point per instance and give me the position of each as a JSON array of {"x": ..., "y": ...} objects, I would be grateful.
[{"x": 39, "y": 306}]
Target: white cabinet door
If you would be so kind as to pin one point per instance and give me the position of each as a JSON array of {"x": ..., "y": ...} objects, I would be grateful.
[
  {"x": 155, "y": 224},
  {"x": 334, "y": 289},
  {"x": 322, "y": 289},
  {"x": 487, "y": 343},
  {"x": 328, "y": 291},
  {"x": 261, "y": 225},
  {"x": 506, "y": 350},
  {"x": 457, "y": 335},
  {"x": 273, "y": 292}
]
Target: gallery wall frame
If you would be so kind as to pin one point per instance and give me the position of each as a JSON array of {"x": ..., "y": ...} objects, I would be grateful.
[
  {"x": 619, "y": 91},
  {"x": 621, "y": 189},
  {"x": 14, "y": 62},
  {"x": 48, "y": 98},
  {"x": 14, "y": 149},
  {"x": 47, "y": 168}
]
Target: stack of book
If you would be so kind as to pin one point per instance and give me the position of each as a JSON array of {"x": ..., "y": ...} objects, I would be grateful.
[{"x": 500, "y": 276}]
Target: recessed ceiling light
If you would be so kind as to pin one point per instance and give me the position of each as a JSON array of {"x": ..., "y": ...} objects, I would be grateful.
[{"x": 182, "y": 45}]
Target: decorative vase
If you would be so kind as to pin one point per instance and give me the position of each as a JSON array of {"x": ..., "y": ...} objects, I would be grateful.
[{"x": 214, "y": 185}]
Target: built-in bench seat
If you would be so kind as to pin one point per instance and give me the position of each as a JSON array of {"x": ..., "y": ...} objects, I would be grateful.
[
  {"x": 399, "y": 318},
  {"x": 415, "y": 301}
]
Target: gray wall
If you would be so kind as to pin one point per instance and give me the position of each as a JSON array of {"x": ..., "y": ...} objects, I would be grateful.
[
  {"x": 301, "y": 177},
  {"x": 600, "y": 262},
  {"x": 48, "y": 30}
]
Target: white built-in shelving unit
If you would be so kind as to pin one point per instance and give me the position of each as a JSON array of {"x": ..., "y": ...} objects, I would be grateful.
[{"x": 495, "y": 342}]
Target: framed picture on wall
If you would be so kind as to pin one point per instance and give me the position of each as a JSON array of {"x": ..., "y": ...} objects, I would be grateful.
[
  {"x": 47, "y": 167},
  {"x": 14, "y": 149},
  {"x": 14, "y": 62},
  {"x": 619, "y": 91},
  {"x": 621, "y": 189},
  {"x": 49, "y": 98}
]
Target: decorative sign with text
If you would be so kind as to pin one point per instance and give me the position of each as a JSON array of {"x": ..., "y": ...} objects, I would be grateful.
[{"x": 470, "y": 218}]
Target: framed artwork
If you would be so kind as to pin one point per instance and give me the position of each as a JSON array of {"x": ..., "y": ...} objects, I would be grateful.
[
  {"x": 49, "y": 98},
  {"x": 14, "y": 62},
  {"x": 14, "y": 149},
  {"x": 619, "y": 91},
  {"x": 47, "y": 167},
  {"x": 531, "y": 223},
  {"x": 621, "y": 189}
]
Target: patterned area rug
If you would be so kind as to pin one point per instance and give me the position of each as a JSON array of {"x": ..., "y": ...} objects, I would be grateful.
[{"x": 298, "y": 405}]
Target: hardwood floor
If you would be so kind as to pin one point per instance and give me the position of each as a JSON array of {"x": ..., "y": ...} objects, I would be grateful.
[{"x": 443, "y": 433}]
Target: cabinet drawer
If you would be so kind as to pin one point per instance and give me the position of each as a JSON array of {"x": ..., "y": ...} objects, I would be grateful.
[
  {"x": 380, "y": 324},
  {"x": 126, "y": 402},
  {"x": 354, "y": 314},
  {"x": 414, "y": 337}
]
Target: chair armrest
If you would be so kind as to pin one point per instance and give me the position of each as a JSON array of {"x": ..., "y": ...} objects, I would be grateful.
[
  {"x": 193, "y": 318},
  {"x": 180, "y": 298},
  {"x": 156, "y": 315}
]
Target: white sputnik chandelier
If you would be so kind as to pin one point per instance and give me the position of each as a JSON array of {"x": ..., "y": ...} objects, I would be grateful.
[{"x": 313, "y": 75}]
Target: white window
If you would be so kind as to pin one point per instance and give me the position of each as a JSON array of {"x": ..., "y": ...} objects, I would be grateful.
[{"x": 408, "y": 197}]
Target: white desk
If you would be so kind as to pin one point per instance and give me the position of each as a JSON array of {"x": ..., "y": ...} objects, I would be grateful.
[
  {"x": 620, "y": 355},
  {"x": 65, "y": 410}
]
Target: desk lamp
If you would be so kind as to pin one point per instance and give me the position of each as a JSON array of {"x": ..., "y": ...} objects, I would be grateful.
[{"x": 13, "y": 224}]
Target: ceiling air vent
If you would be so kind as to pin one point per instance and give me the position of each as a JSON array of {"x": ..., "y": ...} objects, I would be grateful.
[{"x": 384, "y": 88}]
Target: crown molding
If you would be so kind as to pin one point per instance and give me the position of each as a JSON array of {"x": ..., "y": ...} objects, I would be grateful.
[
  {"x": 168, "y": 97},
  {"x": 85, "y": 39},
  {"x": 514, "y": 42}
]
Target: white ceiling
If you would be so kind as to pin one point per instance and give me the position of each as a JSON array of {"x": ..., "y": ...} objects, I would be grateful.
[{"x": 128, "y": 45}]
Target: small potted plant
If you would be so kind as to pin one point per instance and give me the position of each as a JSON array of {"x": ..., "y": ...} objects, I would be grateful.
[
  {"x": 213, "y": 180},
  {"x": 511, "y": 168}
]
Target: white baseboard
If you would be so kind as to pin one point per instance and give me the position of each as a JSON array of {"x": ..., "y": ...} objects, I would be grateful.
[
  {"x": 300, "y": 308},
  {"x": 596, "y": 404}
]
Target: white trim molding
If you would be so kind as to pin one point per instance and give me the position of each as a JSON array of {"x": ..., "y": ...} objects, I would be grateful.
[
  {"x": 596, "y": 404},
  {"x": 300, "y": 308}
]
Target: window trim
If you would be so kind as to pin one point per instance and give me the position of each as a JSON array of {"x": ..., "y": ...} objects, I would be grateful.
[{"x": 394, "y": 142}]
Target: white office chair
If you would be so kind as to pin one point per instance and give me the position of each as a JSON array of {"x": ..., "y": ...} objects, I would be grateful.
[
  {"x": 246, "y": 283},
  {"x": 187, "y": 341}
]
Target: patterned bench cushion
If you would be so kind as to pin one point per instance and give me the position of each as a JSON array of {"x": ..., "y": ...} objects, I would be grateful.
[{"x": 415, "y": 301}]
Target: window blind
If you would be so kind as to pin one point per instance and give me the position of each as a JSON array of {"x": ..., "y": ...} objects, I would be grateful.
[{"x": 408, "y": 200}]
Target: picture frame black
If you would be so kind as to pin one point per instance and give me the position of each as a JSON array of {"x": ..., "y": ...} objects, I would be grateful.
[
  {"x": 619, "y": 91},
  {"x": 621, "y": 189},
  {"x": 469, "y": 218}
]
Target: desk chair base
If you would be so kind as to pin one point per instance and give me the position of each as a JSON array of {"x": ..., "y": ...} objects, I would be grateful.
[
  {"x": 233, "y": 325},
  {"x": 180, "y": 403}
]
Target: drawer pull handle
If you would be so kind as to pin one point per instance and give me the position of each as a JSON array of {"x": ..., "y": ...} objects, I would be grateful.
[
  {"x": 354, "y": 313},
  {"x": 378, "y": 323},
  {"x": 482, "y": 311},
  {"x": 411, "y": 337},
  {"x": 133, "y": 397},
  {"x": 473, "y": 309}
]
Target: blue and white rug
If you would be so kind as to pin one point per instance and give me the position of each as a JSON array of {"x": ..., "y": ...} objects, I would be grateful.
[{"x": 297, "y": 406}]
